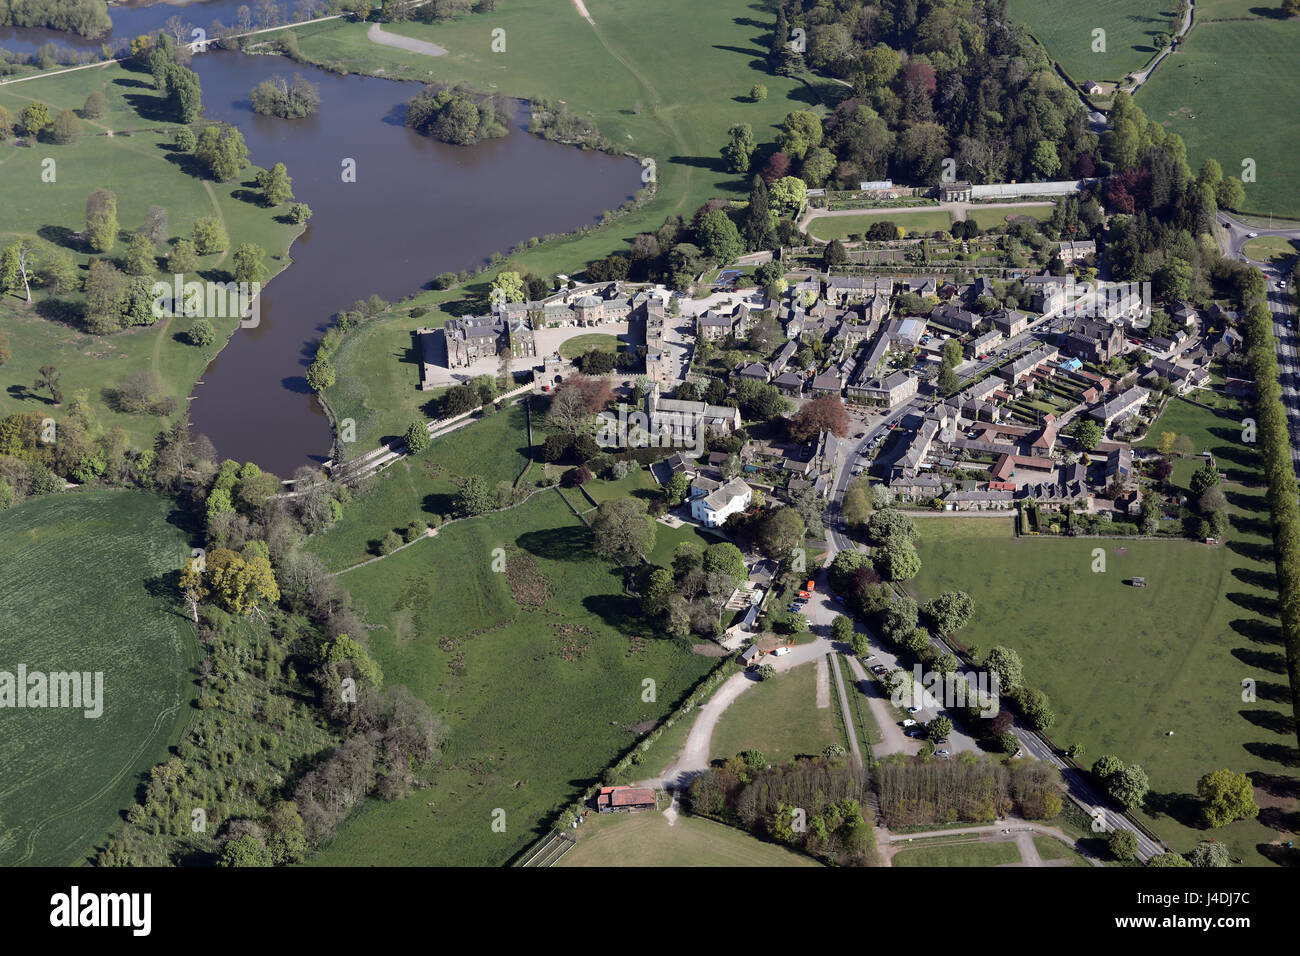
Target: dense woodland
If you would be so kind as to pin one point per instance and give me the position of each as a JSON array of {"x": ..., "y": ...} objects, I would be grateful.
[
  {"x": 948, "y": 78},
  {"x": 965, "y": 789},
  {"x": 813, "y": 804}
]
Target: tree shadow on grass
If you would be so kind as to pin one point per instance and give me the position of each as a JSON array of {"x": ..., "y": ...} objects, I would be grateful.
[
  {"x": 151, "y": 109},
  {"x": 1252, "y": 550},
  {"x": 64, "y": 313},
  {"x": 1263, "y": 660},
  {"x": 1267, "y": 607},
  {"x": 1277, "y": 693},
  {"x": 618, "y": 611},
  {"x": 1273, "y": 720},
  {"x": 185, "y": 162},
  {"x": 558, "y": 544},
  {"x": 1182, "y": 807},
  {"x": 1264, "y": 580},
  {"x": 1287, "y": 756},
  {"x": 61, "y": 236},
  {"x": 1278, "y": 785},
  {"x": 1261, "y": 632},
  {"x": 1279, "y": 854},
  {"x": 1269, "y": 13},
  {"x": 439, "y": 504}
]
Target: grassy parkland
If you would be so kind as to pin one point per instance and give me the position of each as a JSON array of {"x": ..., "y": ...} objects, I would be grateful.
[
  {"x": 538, "y": 670},
  {"x": 1122, "y": 665},
  {"x": 1223, "y": 92},
  {"x": 1066, "y": 30},
  {"x": 68, "y": 777},
  {"x": 648, "y": 839},
  {"x": 128, "y": 151}
]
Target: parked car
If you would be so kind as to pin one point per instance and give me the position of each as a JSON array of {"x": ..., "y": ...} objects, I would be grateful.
[
  {"x": 909, "y": 722},
  {"x": 878, "y": 669},
  {"x": 781, "y": 652},
  {"x": 869, "y": 658},
  {"x": 942, "y": 753},
  {"x": 914, "y": 710},
  {"x": 915, "y": 732}
]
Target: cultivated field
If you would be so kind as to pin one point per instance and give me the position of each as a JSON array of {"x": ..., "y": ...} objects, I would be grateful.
[
  {"x": 86, "y": 584},
  {"x": 646, "y": 839},
  {"x": 1066, "y": 29},
  {"x": 137, "y": 164},
  {"x": 1227, "y": 92},
  {"x": 540, "y": 693},
  {"x": 1123, "y": 666}
]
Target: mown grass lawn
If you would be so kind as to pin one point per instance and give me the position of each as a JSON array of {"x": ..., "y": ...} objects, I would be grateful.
[
  {"x": 539, "y": 700},
  {"x": 841, "y": 227},
  {"x": 780, "y": 718},
  {"x": 1222, "y": 93},
  {"x": 1050, "y": 848},
  {"x": 137, "y": 164},
  {"x": 647, "y": 839},
  {"x": 1267, "y": 248},
  {"x": 989, "y": 218},
  {"x": 84, "y": 578},
  {"x": 1124, "y": 665},
  {"x": 1066, "y": 30},
  {"x": 582, "y": 344},
  {"x": 959, "y": 854}
]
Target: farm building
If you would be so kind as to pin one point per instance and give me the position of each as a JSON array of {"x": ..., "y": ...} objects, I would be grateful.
[{"x": 624, "y": 799}]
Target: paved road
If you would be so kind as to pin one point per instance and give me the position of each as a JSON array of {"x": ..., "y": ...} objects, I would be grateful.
[
  {"x": 1280, "y": 303},
  {"x": 1078, "y": 785},
  {"x": 694, "y": 758},
  {"x": 1142, "y": 76}
]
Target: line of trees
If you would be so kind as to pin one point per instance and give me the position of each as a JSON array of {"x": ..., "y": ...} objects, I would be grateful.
[{"x": 1279, "y": 471}]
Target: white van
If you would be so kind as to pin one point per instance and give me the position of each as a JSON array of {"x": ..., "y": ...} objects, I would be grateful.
[{"x": 781, "y": 652}]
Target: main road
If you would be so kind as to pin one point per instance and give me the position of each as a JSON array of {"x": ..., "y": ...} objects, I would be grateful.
[
  {"x": 1281, "y": 303},
  {"x": 1078, "y": 786}
]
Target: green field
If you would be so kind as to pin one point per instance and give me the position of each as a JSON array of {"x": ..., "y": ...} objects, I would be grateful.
[
  {"x": 670, "y": 101},
  {"x": 1066, "y": 29},
  {"x": 1124, "y": 665},
  {"x": 991, "y": 217},
  {"x": 780, "y": 718},
  {"x": 1267, "y": 248},
  {"x": 420, "y": 487},
  {"x": 134, "y": 163},
  {"x": 538, "y": 699},
  {"x": 83, "y": 578},
  {"x": 1223, "y": 92},
  {"x": 647, "y": 839},
  {"x": 841, "y": 227},
  {"x": 1050, "y": 848},
  {"x": 581, "y": 344},
  {"x": 959, "y": 854}
]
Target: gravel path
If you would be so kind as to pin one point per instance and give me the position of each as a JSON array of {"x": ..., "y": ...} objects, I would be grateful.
[{"x": 377, "y": 35}]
